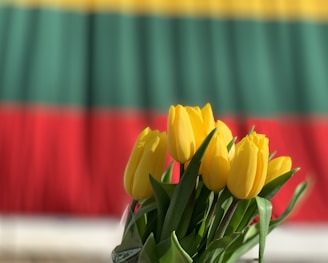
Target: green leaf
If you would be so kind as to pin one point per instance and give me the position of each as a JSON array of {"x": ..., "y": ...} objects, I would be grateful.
[
  {"x": 226, "y": 219},
  {"x": 130, "y": 246},
  {"x": 200, "y": 240},
  {"x": 271, "y": 155},
  {"x": 206, "y": 210},
  {"x": 216, "y": 248},
  {"x": 167, "y": 175},
  {"x": 250, "y": 237},
  {"x": 162, "y": 200},
  {"x": 148, "y": 252},
  {"x": 268, "y": 192},
  {"x": 201, "y": 205},
  {"x": 270, "y": 189},
  {"x": 146, "y": 206},
  {"x": 163, "y": 246},
  {"x": 188, "y": 243},
  {"x": 249, "y": 215},
  {"x": 251, "y": 130},
  {"x": 142, "y": 225},
  {"x": 151, "y": 223},
  {"x": 169, "y": 189},
  {"x": 265, "y": 210},
  {"x": 183, "y": 227},
  {"x": 238, "y": 215},
  {"x": 231, "y": 143},
  {"x": 222, "y": 205},
  {"x": 241, "y": 245},
  {"x": 175, "y": 253},
  {"x": 183, "y": 191},
  {"x": 298, "y": 193}
]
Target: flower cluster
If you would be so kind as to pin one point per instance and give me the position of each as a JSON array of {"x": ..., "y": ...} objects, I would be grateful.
[{"x": 208, "y": 216}]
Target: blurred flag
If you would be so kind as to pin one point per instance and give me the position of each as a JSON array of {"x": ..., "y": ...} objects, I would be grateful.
[{"x": 79, "y": 79}]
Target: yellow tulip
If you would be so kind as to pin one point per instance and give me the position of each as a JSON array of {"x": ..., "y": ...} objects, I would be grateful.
[
  {"x": 278, "y": 166},
  {"x": 148, "y": 157},
  {"x": 249, "y": 166},
  {"x": 181, "y": 139},
  {"x": 187, "y": 128},
  {"x": 215, "y": 165}
]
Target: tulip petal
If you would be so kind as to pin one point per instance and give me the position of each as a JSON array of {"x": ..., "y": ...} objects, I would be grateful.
[
  {"x": 215, "y": 164},
  {"x": 141, "y": 188},
  {"x": 243, "y": 169},
  {"x": 171, "y": 135},
  {"x": 278, "y": 166},
  {"x": 196, "y": 119},
  {"x": 151, "y": 162},
  {"x": 134, "y": 160},
  {"x": 261, "y": 170},
  {"x": 224, "y": 130},
  {"x": 208, "y": 119},
  {"x": 218, "y": 180}
]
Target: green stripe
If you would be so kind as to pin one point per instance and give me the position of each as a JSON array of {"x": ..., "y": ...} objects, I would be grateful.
[{"x": 115, "y": 60}]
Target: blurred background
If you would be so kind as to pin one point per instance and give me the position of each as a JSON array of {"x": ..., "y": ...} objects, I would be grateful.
[{"x": 79, "y": 80}]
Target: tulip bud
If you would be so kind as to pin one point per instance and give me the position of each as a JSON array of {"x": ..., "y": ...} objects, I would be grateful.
[
  {"x": 249, "y": 166},
  {"x": 181, "y": 139},
  {"x": 278, "y": 166},
  {"x": 215, "y": 165},
  {"x": 187, "y": 128},
  {"x": 148, "y": 157}
]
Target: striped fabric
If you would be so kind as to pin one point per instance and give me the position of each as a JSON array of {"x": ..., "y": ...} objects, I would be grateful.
[{"x": 79, "y": 79}]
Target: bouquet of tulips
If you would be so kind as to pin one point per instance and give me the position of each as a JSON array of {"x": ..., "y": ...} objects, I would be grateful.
[{"x": 218, "y": 210}]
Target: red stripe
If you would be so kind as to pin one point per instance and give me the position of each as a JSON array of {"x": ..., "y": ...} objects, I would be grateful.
[{"x": 69, "y": 161}]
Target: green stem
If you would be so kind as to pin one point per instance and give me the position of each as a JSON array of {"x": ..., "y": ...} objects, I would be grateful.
[
  {"x": 218, "y": 213},
  {"x": 213, "y": 219},
  {"x": 226, "y": 219},
  {"x": 210, "y": 214}
]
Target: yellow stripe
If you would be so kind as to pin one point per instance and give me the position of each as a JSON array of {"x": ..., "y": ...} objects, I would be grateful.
[{"x": 270, "y": 9}]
